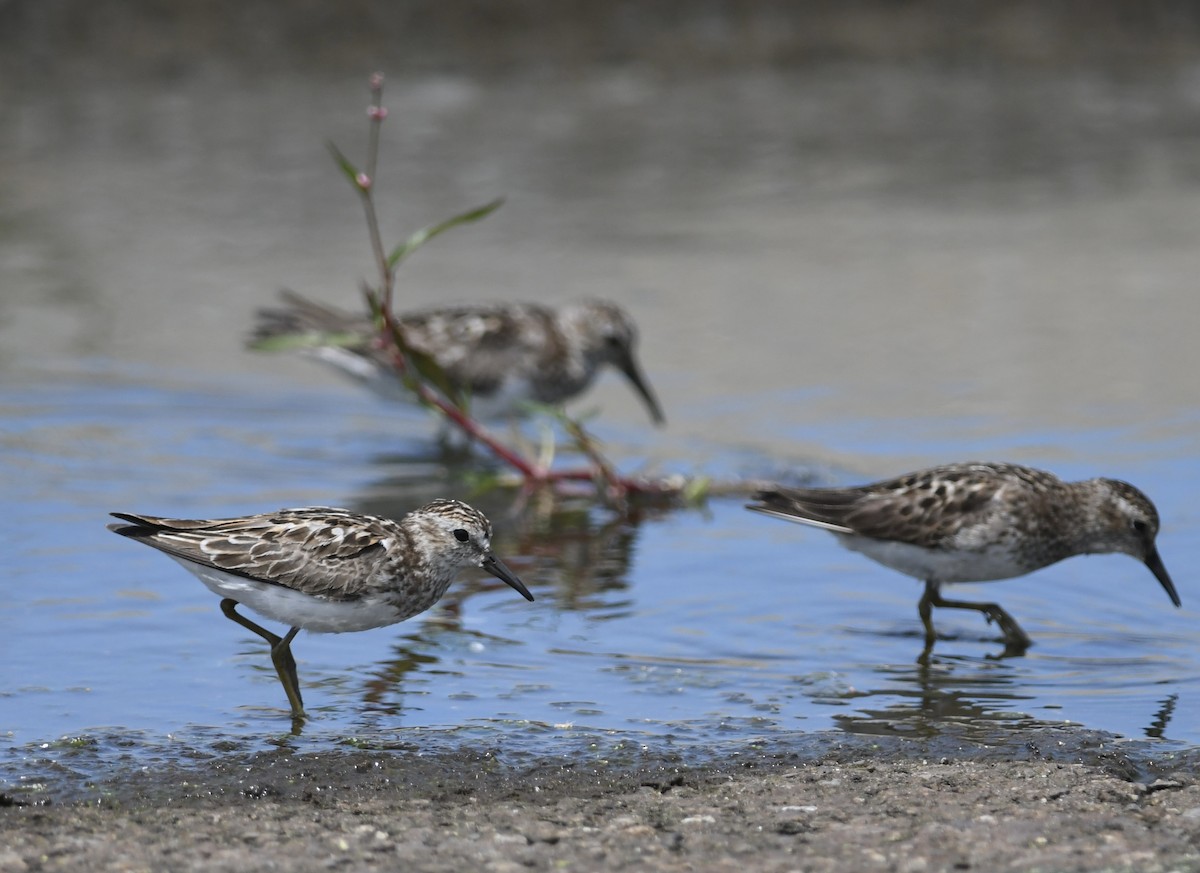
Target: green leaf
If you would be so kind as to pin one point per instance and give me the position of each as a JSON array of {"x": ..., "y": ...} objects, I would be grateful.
[
  {"x": 432, "y": 372},
  {"x": 374, "y": 302},
  {"x": 425, "y": 234},
  {"x": 428, "y": 370},
  {"x": 348, "y": 168},
  {"x": 695, "y": 491}
]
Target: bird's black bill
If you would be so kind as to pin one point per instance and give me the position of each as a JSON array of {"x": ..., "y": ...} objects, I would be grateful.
[
  {"x": 630, "y": 368},
  {"x": 496, "y": 567},
  {"x": 1154, "y": 562}
]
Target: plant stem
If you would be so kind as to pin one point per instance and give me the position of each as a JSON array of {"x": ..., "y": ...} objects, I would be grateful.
[
  {"x": 601, "y": 473},
  {"x": 430, "y": 398},
  {"x": 376, "y": 113}
]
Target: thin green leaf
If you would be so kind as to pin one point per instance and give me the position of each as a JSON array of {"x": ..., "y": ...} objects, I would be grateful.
[
  {"x": 425, "y": 234},
  {"x": 695, "y": 491},
  {"x": 348, "y": 168},
  {"x": 374, "y": 302},
  {"x": 427, "y": 370},
  {"x": 431, "y": 371}
]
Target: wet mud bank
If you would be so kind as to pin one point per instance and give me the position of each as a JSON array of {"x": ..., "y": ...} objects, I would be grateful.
[{"x": 1051, "y": 800}]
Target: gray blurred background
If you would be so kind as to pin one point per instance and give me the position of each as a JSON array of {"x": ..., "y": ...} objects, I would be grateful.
[
  {"x": 173, "y": 38},
  {"x": 979, "y": 213}
]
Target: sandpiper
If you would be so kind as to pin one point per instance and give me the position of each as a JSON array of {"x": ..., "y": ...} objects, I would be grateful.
[
  {"x": 978, "y": 522},
  {"x": 502, "y": 355},
  {"x": 325, "y": 570}
]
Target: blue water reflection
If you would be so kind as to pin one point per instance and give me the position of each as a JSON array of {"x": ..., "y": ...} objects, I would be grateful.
[{"x": 693, "y": 625}]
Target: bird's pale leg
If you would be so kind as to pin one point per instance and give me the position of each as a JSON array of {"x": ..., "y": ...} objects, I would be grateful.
[
  {"x": 1016, "y": 641},
  {"x": 925, "y": 608},
  {"x": 281, "y": 655}
]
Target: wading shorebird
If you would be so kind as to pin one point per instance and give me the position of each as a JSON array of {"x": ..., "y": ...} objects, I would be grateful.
[
  {"x": 978, "y": 522},
  {"x": 325, "y": 570},
  {"x": 502, "y": 355}
]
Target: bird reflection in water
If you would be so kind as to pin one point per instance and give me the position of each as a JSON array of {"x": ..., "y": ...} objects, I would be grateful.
[{"x": 960, "y": 698}]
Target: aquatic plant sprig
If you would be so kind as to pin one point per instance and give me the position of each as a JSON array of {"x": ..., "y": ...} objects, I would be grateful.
[
  {"x": 421, "y": 374},
  {"x": 418, "y": 371}
]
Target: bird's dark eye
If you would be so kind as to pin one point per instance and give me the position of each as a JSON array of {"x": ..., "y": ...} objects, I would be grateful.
[
  {"x": 1140, "y": 526},
  {"x": 613, "y": 341},
  {"x": 461, "y": 535}
]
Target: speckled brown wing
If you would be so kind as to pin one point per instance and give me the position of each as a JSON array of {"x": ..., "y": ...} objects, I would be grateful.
[
  {"x": 922, "y": 512},
  {"x": 317, "y": 550},
  {"x": 923, "y": 508},
  {"x": 927, "y": 507},
  {"x": 478, "y": 347}
]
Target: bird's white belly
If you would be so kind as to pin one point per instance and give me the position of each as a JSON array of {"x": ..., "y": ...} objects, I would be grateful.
[
  {"x": 975, "y": 565},
  {"x": 506, "y": 401},
  {"x": 510, "y": 398},
  {"x": 381, "y": 381},
  {"x": 296, "y": 609}
]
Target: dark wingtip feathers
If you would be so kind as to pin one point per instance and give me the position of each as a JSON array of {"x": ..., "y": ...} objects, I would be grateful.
[
  {"x": 133, "y": 523},
  {"x": 765, "y": 501},
  {"x": 136, "y": 526}
]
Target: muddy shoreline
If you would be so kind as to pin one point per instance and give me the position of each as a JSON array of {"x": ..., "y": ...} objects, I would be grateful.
[{"x": 1046, "y": 799}]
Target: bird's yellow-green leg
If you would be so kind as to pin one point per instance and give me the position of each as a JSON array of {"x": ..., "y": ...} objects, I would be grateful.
[
  {"x": 1016, "y": 640},
  {"x": 281, "y": 655},
  {"x": 925, "y": 608}
]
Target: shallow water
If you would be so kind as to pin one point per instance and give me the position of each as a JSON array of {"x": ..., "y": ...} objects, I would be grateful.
[{"x": 839, "y": 275}]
